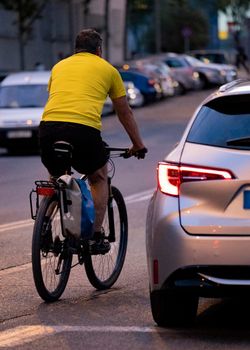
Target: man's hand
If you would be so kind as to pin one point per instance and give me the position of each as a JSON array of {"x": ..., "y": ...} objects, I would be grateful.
[
  {"x": 127, "y": 119},
  {"x": 138, "y": 153}
]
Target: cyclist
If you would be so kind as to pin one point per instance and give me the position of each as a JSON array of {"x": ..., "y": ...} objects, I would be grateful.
[{"x": 78, "y": 88}]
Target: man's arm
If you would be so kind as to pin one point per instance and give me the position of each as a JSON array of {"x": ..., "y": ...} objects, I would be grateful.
[{"x": 127, "y": 119}]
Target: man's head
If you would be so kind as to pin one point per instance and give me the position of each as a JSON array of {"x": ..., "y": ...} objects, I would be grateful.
[{"x": 88, "y": 40}]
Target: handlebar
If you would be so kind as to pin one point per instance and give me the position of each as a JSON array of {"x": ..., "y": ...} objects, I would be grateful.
[{"x": 125, "y": 152}]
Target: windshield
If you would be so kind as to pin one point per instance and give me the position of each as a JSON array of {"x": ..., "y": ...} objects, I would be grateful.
[
  {"x": 163, "y": 68},
  {"x": 193, "y": 61},
  {"x": 173, "y": 62},
  {"x": 23, "y": 96}
]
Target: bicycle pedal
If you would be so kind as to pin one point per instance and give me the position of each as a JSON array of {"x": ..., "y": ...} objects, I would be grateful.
[{"x": 101, "y": 247}]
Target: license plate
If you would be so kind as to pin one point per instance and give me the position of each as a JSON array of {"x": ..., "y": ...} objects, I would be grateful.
[
  {"x": 20, "y": 134},
  {"x": 246, "y": 200}
]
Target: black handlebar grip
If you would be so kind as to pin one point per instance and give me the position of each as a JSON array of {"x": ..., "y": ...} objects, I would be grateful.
[{"x": 140, "y": 154}]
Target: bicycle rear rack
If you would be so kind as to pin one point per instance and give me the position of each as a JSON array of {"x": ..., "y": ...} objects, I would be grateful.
[{"x": 43, "y": 188}]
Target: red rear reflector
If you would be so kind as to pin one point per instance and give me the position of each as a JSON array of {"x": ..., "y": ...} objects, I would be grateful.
[
  {"x": 155, "y": 271},
  {"x": 171, "y": 176},
  {"x": 45, "y": 191}
]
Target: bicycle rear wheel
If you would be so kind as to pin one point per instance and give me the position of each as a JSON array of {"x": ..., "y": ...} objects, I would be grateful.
[
  {"x": 103, "y": 270},
  {"x": 49, "y": 252}
]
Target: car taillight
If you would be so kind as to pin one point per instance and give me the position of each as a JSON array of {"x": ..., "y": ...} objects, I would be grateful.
[
  {"x": 171, "y": 176},
  {"x": 151, "y": 82}
]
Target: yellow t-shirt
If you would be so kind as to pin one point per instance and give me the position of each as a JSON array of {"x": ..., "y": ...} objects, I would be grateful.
[{"x": 78, "y": 88}]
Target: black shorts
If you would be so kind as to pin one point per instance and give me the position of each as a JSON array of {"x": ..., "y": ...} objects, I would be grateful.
[{"x": 89, "y": 152}]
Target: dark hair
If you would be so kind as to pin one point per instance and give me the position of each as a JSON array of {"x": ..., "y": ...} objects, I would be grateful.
[{"x": 88, "y": 40}]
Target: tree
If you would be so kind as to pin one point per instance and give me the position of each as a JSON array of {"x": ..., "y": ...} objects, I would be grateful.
[
  {"x": 237, "y": 9},
  {"x": 178, "y": 25},
  {"x": 27, "y": 12},
  {"x": 175, "y": 21}
]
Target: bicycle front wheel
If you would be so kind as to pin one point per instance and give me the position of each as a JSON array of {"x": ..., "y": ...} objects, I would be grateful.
[
  {"x": 103, "y": 270},
  {"x": 51, "y": 260}
]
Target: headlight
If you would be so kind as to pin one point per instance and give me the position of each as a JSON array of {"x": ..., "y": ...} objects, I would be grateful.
[
  {"x": 132, "y": 96},
  {"x": 29, "y": 122},
  {"x": 195, "y": 75}
]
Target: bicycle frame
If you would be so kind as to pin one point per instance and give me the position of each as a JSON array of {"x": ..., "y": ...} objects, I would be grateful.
[
  {"x": 53, "y": 249},
  {"x": 49, "y": 188}
]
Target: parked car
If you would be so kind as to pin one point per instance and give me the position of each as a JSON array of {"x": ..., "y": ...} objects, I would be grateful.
[
  {"x": 2, "y": 75},
  {"x": 168, "y": 81},
  {"x": 22, "y": 98},
  {"x": 149, "y": 87},
  {"x": 214, "y": 56},
  {"x": 156, "y": 70},
  {"x": 212, "y": 73},
  {"x": 107, "y": 107},
  {"x": 198, "y": 219},
  {"x": 134, "y": 96},
  {"x": 186, "y": 76}
]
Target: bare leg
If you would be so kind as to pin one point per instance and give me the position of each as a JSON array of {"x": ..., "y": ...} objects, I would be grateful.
[{"x": 99, "y": 191}]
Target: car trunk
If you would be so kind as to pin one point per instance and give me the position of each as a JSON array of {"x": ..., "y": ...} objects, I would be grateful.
[{"x": 216, "y": 207}]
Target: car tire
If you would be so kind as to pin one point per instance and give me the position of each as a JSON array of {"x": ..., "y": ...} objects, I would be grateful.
[
  {"x": 203, "y": 83},
  {"x": 173, "y": 309},
  {"x": 180, "y": 89}
]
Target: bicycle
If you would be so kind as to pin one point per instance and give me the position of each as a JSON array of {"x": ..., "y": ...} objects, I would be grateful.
[{"x": 53, "y": 250}]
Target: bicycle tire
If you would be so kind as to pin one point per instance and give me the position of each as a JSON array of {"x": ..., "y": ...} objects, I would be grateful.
[
  {"x": 103, "y": 270},
  {"x": 48, "y": 246}
]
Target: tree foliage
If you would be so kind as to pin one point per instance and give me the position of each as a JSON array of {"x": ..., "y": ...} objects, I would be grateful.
[
  {"x": 27, "y": 12},
  {"x": 236, "y": 8},
  {"x": 177, "y": 17}
]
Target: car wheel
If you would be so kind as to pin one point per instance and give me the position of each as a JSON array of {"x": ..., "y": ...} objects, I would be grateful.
[
  {"x": 180, "y": 89},
  {"x": 203, "y": 82},
  {"x": 173, "y": 309}
]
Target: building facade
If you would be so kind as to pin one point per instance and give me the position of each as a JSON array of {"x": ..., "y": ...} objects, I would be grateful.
[{"x": 53, "y": 33}]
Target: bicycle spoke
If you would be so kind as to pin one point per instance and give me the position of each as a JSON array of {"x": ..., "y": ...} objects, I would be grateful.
[{"x": 47, "y": 251}]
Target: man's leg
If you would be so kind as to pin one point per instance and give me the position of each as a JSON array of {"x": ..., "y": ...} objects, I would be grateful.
[{"x": 99, "y": 190}]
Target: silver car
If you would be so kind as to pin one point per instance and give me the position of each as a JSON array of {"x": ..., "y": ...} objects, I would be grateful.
[
  {"x": 22, "y": 99},
  {"x": 184, "y": 74},
  {"x": 212, "y": 73},
  {"x": 198, "y": 220}
]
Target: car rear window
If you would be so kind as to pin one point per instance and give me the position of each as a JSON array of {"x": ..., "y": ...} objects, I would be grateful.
[{"x": 223, "y": 122}]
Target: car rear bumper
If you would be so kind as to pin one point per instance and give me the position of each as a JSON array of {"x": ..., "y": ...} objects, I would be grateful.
[
  {"x": 202, "y": 262},
  {"x": 10, "y": 137},
  {"x": 210, "y": 281}
]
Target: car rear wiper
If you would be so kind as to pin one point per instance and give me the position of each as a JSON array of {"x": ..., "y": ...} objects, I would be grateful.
[{"x": 243, "y": 141}]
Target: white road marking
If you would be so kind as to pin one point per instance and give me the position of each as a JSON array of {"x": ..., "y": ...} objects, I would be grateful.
[
  {"x": 16, "y": 225},
  {"x": 138, "y": 197},
  {"x": 26, "y": 334},
  {"x": 14, "y": 269}
]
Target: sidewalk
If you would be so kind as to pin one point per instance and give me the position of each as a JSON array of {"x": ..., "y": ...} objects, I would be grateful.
[{"x": 242, "y": 74}]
